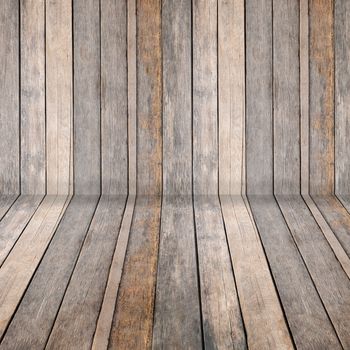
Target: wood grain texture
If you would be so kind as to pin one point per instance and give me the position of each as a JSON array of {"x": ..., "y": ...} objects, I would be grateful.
[
  {"x": 205, "y": 123},
  {"x": 321, "y": 97},
  {"x": 286, "y": 97},
  {"x": 259, "y": 151},
  {"x": 221, "y": 315},
  {"x": 133, "y": 317},
  {"x": 34, "y": 318},
  {"x": 177, "y": 105},
  {"x": 32, "y": 96},
  {"x": 177, "y": 320},
  {"x": 261, "y": 311},
  {"x": 114, "y": 97},
  {"x": 149, "y": 98},
  {"x": 6, "y": 202},
  {"x": 9, "y": 98},
  {"x": 300, "y": 300},
  {"x": 86, "y": 33}
]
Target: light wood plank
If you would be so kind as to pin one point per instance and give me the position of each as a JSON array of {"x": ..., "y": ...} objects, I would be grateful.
[
  {"x": 32, "y": 96},
  {"x": 177, "y": 321},
  {"x": 6, "y": 201},
  {"x": 222, "y": 322},
  {"x": 263, "y": 318}
]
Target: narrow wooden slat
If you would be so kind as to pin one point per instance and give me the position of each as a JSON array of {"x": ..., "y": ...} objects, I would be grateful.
[
  {"x": 321, "y": 97},
  {"x": 133, "y": 317},
  {"x": 86, "y": 28},
  {"x": 59, "y": 97},
  {"x": 32, "y": 96},
  {"x": 222, "y": 322},
  {"x": 262, "y": 313},
  {"x": 9, "y": 98},
  {"x": 177, "y": 322},
  {"x": 300, "y": 300},
  {"x": 6, "y": 202}
]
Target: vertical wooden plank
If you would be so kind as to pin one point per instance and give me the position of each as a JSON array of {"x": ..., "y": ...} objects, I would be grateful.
[
  {"x": 205, "y": 143},
  {"x": 86, "y": 96},
  {"x": 59, "y": 96},
  {"x": 177, "y": 120},
  {"x": 259, "y": 96},
  {"x": 286, "y": 97},
  {"x": 149, "y": 98},
  {"x": 9, "y": 97},
  {"x": 342, "y": 96},
  {"x": 114, "y": 98},
  {"x": 32, "y": 96},
  {"x": 321, "y": 97},
  {"x": 231, "y": 83}
]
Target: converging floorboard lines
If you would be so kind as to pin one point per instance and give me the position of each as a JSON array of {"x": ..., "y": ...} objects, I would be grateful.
[{"x": 174, "y": 174}]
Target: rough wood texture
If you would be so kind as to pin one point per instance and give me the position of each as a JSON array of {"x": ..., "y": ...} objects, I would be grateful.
[
  {"x": 222, "y": 322},
  {"x": 9, "y": 97},
  {"x": 149, "y": 98},
  {"x": 177, "y": 321},
  {"x": 133, "y": 318},
  {"x": 86, "y": 35},
  {"x": 59, "y": 97},
  {"x": 205, "y": 141},
  {"x": 6, "y": 202},
  {"x": 321, "y": 97},
  {"x": 177, "y": 105},
  {"x": 32, "y": 96}
]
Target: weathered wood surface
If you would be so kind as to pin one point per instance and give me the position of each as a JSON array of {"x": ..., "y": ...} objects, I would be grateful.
[
  {"x": 86, "y": 33},
  {"x": 221, "y": 315},
  {"x": 32, "y": 34},
  {"x": 133, "y": 317},
  {"x": 34, "y": 318},
  {"x": 263, "y": 318},
  {"x": 9, "y": 97},
  {"x": 300, "y": 300},
  {"x": 177, "y": 320},
  {"x": 6, "y": 202}
]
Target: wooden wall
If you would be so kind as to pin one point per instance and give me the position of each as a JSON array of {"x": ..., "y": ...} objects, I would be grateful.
[{"x": 174, "y": 97}]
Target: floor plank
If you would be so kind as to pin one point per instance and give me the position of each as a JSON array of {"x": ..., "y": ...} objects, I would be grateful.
[
  {"x": 261, "y": 310},
  {"x": 177, "y": 322},
  {"x": 32, "y": 323},
  {"x": 299, "y": 298},
  {"x": 133, "y": 317},
  {"x": 222, "y": 322},
  {"x": 6, "y": 202}
]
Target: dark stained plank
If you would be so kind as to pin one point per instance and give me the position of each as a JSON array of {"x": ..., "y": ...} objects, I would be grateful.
[
  {"x": 300, "y": 300},
  {"x": 32, "y": 323},
  {"x": 6, "y": 201},
  {"x": 177, "y": 321},
  {"x": 328, "y": 276},
  {"x": 133, "y": 317},
  {"x": 321, "y": 97},
  {"x": 149, "y": 98},
  {"x": 9, "y": 97},
  {"x": 222, "y": 321},
  {"x": 86, "y": 33}
]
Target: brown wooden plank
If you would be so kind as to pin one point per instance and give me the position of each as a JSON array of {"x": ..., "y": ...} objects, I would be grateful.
[
  {"x": 177, "y": 320},
  {"x": 133, "y": 317},
  {"x": 222, "y": 322},
  {"x": 300, "y": 300},
  {"x": 34, "y": 318},
  {"x": 6, "y": 201}
]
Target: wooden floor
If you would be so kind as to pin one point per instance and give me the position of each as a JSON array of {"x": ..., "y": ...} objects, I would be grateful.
[{"x": 175, "y": 272}]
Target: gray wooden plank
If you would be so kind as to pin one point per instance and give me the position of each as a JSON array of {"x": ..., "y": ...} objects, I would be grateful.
[
  {"x": 86, "y": 32},
  {"x": 32, "y": 33},
  {"x": 6, "y": 202},
  {"x": 177, "y": 105},
  {"x": 114, "y": 97},
  {"x": 9, "y": 98},
  {"x": 286, "y": 106},
  {"x": 328, "y": 276},
  {"x": 149, "y": 98},
  {"x": 222, "y": 322},
  {"x": 34, "y": 318},
  {"x": 300, "y": 300},
  {"x": 177, "y": 320},
  {"x": 133, "y": 316}
]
